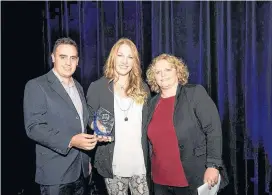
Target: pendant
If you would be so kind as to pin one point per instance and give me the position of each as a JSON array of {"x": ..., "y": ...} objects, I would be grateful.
[{"x": 126, "y": 118}]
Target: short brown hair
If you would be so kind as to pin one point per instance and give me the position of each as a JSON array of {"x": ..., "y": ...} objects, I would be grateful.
[
  {"x": 64, "y": 41},
  {"x": 178, "y": 64}
]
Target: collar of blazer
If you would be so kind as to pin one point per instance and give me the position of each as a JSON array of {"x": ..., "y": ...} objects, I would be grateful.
[
  {"x": 156, "y": 98},
  {"x": 59, "y": 89},
  {"x": 154, "y": 102}
]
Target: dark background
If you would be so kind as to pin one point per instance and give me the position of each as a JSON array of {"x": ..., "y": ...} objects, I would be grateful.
[
  {"x": 22, "y": 59},
  {"x": 26, "y": 45}
]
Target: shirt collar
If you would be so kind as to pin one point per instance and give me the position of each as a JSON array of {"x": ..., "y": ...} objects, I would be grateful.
[{"x": 71, "y": 82}]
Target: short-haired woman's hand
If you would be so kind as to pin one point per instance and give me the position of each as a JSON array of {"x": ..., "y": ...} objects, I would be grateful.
[{"x": 211, "y": 176}]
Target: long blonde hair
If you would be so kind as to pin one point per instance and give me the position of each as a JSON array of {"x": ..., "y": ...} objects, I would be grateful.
[
  {"x": 178, "y": 64},
  {"x": 135, "y": 88}
]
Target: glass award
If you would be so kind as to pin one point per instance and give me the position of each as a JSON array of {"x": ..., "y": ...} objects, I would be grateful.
[{"x": 103, "y": 123}]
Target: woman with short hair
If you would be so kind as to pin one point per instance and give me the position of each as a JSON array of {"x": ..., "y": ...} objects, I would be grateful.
[{"x": 184, "y": 131}]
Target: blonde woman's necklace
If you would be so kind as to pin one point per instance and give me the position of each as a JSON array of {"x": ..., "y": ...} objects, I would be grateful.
[
  {"x": 122, "y": 87},
  {"x": 125, "y": 111}
]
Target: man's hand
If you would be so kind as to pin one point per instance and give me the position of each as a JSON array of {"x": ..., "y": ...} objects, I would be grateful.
[
  {"x": 211, "y": 176},
  {"x": 83, "y": 141}
]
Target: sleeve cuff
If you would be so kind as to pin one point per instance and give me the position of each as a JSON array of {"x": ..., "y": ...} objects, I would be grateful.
[{"x": 213, "y": 162}]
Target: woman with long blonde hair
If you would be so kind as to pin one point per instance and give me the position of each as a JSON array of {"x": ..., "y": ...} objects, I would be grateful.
[{"x": 122, "y": 92}]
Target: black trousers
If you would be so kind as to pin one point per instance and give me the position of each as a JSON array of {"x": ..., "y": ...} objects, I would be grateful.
[
  {"x": 171, "y": 190},
  {"x": 76, "y": 188}
]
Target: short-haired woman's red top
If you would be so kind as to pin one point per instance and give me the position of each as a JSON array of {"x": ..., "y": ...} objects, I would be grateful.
[{"x": 166, "y": 165}]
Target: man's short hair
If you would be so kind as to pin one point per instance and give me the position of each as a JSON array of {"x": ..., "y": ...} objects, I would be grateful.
[{"x": 64, "y": 41}]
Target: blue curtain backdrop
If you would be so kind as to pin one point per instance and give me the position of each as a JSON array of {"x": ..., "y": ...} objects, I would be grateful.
[{"x": 226, "y": 45}]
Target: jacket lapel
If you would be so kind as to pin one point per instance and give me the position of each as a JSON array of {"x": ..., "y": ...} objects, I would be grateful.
[
  {"x": 154, "y": 103},
  {"x": 59, "y": 89},
  {"x": 110, "y": 94},
  {"x": 83, "y": 101},
  {"x": 151, "y": 108},
  {"x": 177, "y": 99}
]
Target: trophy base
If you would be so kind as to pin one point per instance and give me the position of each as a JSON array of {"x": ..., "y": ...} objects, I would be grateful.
[{"x": 99, "y": 134}]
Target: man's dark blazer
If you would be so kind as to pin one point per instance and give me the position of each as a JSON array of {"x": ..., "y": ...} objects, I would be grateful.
[
  {"x": 198, "y": 129},
  {"x": 51, "y": 120}
]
